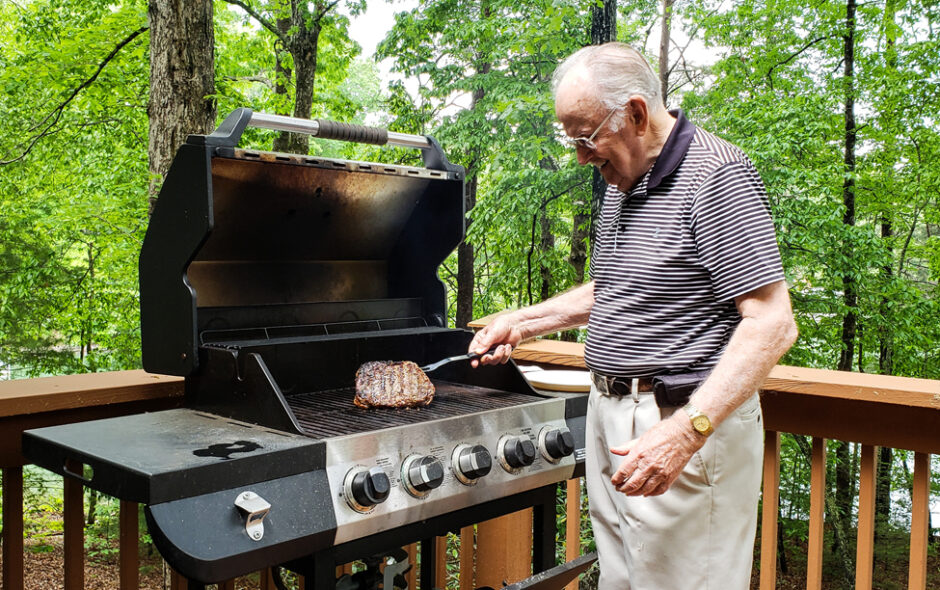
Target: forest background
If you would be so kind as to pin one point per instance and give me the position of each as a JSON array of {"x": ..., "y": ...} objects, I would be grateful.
[{"x": 836, "y": 102}]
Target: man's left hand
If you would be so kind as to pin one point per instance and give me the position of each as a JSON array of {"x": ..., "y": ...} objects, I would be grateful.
[{"x": 655, "y": 459}]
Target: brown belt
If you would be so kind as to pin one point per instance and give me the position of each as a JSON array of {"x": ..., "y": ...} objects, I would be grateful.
[{"x": 621, "y": 386}]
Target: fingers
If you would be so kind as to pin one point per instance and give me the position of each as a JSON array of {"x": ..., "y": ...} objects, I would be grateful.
[
  {"x": 623, "y": 449},
  {"x": 500, "y": 355},
  {"x": 639, "y": 482},
  {"x": 490, "y": 336}
]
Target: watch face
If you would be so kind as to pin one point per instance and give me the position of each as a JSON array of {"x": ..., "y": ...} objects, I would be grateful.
[{"x": 700, "y": 423}]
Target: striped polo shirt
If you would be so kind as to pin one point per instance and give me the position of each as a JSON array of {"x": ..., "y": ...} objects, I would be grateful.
[{"x": 671, "y": 255}]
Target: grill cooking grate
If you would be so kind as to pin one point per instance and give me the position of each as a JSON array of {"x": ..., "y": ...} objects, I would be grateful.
[{"x": 323, "y": 414}]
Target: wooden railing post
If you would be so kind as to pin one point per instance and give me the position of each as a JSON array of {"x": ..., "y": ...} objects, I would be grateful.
[
  {"x": 817, "y": 503},
  {"x": 74, "y": 533},
  {"x": 920, "y": 522},
  {"x": 572, "y": 524},
  {"x": 770, "y": 506},
  {"x": 504, "y": 549},
  {"x": 865, "y": 550},
  {"x": 467, "y": 554},
  {"x": 13, "y": 528},
  {"x": 440, "y": 564},
  {"x": 128, "y": 553}
]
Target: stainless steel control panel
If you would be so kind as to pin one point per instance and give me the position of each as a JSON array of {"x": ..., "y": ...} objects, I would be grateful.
[{"x": 388, "y": 478}]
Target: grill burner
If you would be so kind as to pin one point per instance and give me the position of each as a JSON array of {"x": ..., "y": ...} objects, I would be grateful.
[{"x": 324, "y": 414}]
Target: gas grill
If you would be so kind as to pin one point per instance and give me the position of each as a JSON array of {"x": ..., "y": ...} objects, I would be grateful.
[{"x": 266, "y": 280}]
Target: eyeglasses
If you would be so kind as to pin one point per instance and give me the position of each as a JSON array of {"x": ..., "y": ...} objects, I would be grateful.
[{"x": 588, "y": 142}]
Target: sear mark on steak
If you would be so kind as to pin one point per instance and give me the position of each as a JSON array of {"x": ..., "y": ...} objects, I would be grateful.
[{"x": 390, "y": 384}]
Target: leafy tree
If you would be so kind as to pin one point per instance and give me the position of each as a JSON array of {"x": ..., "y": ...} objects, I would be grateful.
[{"x": 73, "y": 90}]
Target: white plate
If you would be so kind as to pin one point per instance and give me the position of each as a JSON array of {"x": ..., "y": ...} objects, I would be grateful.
[{"x": 560, "y": 380}]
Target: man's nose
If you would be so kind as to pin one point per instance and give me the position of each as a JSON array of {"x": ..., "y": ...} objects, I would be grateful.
[{"x": 584, "y": 155}]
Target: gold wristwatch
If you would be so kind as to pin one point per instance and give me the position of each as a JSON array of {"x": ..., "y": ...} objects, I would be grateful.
[{"x": 700, "y": 422}]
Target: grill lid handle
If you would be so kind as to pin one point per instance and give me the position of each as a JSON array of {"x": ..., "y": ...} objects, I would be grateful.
[{"x": 231, "y": 129}]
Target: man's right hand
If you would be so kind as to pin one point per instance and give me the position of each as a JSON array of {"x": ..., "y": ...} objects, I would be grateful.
[{"x": 502, "y": 331}]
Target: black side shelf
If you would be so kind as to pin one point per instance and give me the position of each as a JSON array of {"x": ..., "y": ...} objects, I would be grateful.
[{"x": 163, "y": 456}]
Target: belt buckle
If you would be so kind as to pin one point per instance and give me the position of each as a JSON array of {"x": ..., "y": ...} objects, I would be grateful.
[{"x": 600, "y": 382}]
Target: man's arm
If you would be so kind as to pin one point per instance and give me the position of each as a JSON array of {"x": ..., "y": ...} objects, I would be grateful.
[
  {"x": 567, "y": 310},
  {"x": 767, "y": 330}
]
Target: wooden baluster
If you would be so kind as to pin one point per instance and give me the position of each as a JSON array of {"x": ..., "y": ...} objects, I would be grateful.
[
  {"x": 817, "y": 503},
  {"x": 412, "y": 575},
  {"x": 769, "y": 511},
  {"x": 865, "y": 544},
  {"x": 74, "y": 533},
  {"x": 12, "y": 528},
  {"x": 467, "y": 544},
  {"x": 920, "y": 522},
  {"x": 440, "y": 565},
  {"x": 572, "y": 524},
  {"x": 177, "y": 582},
  {"x": 504, "y": 549},
  {"x": 266, "y": 582},
  {"x": 128, "y": 546}
]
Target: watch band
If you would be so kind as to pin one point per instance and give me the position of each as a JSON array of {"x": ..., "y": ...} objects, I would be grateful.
[{"x": 700, "y": 421}]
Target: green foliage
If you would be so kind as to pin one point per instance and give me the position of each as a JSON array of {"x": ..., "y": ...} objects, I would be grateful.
[
  {"x": 778, "y": 90},
  {"x": 73, "y": 185},
  {"x": 73, "y": 165}
]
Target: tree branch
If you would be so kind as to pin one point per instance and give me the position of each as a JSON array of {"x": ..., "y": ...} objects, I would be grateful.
[
  {"x": 795, "y": 55},
  {"x": 56, "y": 113},
  {"x": 261, "y": 20},
  {"x": 326, "y": 9},
  {"x": 260, "y": 79}
]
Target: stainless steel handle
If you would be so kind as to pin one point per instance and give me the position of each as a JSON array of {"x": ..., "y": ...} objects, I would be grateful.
[{"x": 340, "y": 131}]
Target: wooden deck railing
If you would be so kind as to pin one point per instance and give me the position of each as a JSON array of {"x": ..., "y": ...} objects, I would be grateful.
[{"x": 868, "y": 409}]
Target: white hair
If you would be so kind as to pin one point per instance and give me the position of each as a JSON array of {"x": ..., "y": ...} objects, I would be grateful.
[{"x": 617, "y": 72}]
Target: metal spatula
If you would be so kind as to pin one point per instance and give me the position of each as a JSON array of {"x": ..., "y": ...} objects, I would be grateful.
[{"x": 460, "y": 357}]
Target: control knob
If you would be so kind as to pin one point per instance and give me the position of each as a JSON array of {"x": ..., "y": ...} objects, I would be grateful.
[
  {"x": 365, "y": 488},
  {"x": 470, "y": 463},
  {"x": 516, "y": 452},
  {"x": 556, "y": 443},
  {"x": 422, "y": 474}
]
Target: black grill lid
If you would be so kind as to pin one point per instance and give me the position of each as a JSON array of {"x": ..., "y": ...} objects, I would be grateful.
[{"x": 245, "y": 243}]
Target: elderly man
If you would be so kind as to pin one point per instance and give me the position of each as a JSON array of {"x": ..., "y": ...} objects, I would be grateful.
[{"x": 686, "y": 276}]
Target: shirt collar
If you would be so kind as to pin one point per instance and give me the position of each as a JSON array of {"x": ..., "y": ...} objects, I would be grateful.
[{"x": 674, "y": 150}]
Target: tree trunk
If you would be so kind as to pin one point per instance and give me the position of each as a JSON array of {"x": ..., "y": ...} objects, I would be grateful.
[
  {"x": 182, "y": 78},
  {"x": 546, "y": 245},
  {"x": 465, "y": 252},
  {"x": 283, "y": 76},
  {"x": 883, "y": 492},
  {"x": 664, "y": 49},
  {"x": 850, "y": 293},
  {"x": 842, "y": 500},
  {"x": 843, "y": 492},
  {"x": 885, "y": 333},
  {"x": 304, "y": 52},
  {"x": 603, "y": 30},
  {"x": 465, "y": 262}
]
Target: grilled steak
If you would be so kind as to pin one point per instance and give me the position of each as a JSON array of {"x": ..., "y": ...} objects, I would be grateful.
[{"x": 388, "y": 384}]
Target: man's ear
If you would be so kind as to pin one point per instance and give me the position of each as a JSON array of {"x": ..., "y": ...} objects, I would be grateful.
[{"x": 638, "y": 114}]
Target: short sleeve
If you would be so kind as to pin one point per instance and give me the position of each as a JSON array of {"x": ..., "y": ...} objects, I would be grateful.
[{"x": 733, "y": 231}]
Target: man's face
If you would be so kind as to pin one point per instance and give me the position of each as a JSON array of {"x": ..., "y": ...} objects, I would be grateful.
[{"x": 618, "y": 155}]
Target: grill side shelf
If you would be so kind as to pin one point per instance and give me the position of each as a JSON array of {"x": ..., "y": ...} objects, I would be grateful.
[{"x": 164, "y": 456}]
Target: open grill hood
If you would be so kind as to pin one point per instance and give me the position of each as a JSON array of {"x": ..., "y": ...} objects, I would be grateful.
[{"x": 248, "y": 245}]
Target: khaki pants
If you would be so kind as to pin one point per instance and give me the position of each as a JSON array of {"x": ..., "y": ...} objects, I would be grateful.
[{"x": 699, "y": 535}]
